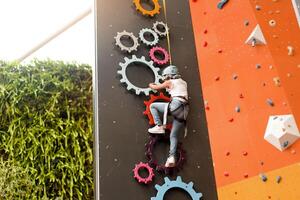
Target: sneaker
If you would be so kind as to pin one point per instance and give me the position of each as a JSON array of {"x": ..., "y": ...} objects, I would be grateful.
[
  {"x": 171, "y": 162},
  {"x": 157, "y": 130}
]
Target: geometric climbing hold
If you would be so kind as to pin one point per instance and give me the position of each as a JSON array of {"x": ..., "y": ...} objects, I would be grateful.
[
  {"x": 222, "y": 3},
  {"x": 234, "y": 76},
  {"x": 277, "y": 81},
  {"x": 281, "y": 131},
  {"x": 246, "y": 22},
  {"x": 263, "y": 177},
  {"x": 272, "y": 23},
  {"x": 237, "y": 109},
  {"x": 290, "y": 50},
  {"x": 278, "y": 179},
  {"x": 296, "y": 5},
  {"x": 270, "y": 102},
  {"x": 256, "y": 37}
]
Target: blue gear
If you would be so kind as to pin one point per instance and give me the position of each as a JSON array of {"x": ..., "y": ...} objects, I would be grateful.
[
  {"x": 162, "y": 189},
  {"x": 125, "y": 80}
]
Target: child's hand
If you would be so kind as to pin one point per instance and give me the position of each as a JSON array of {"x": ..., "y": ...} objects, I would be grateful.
[{"x": 151, "y": 85}]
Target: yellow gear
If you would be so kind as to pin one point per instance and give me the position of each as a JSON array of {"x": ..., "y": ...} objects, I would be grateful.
[{"x": 151, "y": 13}]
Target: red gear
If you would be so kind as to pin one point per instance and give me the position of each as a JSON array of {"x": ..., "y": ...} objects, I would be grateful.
[
  {"x": 137, "y": 175},
  {"x": 152, "y": 99}
]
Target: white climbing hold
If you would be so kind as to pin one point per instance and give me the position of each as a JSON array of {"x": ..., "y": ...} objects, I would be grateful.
[
  {"x": 290, "y": 50},
  {"x": 281, "y": 131},
  {"x": 272, "y": 23},
  {"x": 256, "y": 37}
]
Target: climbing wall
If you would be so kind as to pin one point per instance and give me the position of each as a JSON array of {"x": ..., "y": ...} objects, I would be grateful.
[
  {"x": 243, "y": 85},
  {"x": 122, "y": 124}
]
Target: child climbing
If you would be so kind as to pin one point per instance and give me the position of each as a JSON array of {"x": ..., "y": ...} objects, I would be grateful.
[{"x": 177, "y": 108}]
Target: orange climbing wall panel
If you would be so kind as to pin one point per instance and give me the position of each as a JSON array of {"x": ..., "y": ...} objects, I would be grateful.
[{"x": 220, "y": 37}]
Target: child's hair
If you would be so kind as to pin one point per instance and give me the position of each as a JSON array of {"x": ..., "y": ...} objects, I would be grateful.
[{"x": 168, "y": 77}]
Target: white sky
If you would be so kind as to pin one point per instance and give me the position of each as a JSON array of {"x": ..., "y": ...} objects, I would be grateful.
[{"x": 24, "y": 24}]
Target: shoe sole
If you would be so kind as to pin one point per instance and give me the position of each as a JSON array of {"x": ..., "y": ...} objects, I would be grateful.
[{"x": 157, "y": 132}]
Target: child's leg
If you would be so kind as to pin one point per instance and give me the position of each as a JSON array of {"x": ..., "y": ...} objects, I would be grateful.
[
  {"x": 155, "y": 109},
  {"x": 176, "y": 126}
]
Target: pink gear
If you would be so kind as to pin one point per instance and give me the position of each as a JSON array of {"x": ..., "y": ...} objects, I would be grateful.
[
  {"x": 137, "y": 175},
  {"x": 156, "y": 60},
  {"x": 152, "y": 99}
]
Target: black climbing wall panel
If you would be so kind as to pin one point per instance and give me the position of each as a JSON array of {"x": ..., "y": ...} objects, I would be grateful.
[{"x": 123, "y": 127}]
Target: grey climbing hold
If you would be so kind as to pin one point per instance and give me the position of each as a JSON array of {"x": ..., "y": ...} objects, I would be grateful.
[
  {"x": 237, "y": 109},
  {"x": 270, "y": 102},
  {"x": 278, "y": 179},
  {"x": 263, "y": 177},
  {"x": 222, "y": 3}
]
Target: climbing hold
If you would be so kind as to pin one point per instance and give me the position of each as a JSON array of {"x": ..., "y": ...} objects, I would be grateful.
[
  {"x": 205, "y": 44},
  {"x": 237, "y": 109},
  {"x": 124, "y": 78},
  {"x": 278, "y": 179},
  {"x": 162, "y": 51},
  {"x": 257, "y": 66},
  {"x": 270, "y": 102},
  {"x": 290, "y": 50},
  {"x": 217, "y": 78},
  {"x": 227, "y": 153},
  {"x": 246, "y": 23},
  {"x": 234, "y": 76},
  {"x": 146, "y": 12},
  {"x": 257, "y": 7},
  {"x": 164, "y": 28},
  {"x": 222, "y": 3},
  {"x": 205, "y": 31},
  {"x": 179, "y": 184},
  {"x": 130, "y": 36},
  {"x": 226, "y": 174},
  {"x": 150, "y": 32},
  {"x": 246, "y": 175},
  {"x": 293, "y": 151},
  {"x": 272, "y": 23},
  {"x": 220, "y": 51},
  {"x": 137, "y": 176},
  {"x": 262, "y": 163},
  {"x": 281, "y": 131},
  {"x": 245, "y": 153},
  {"x": 231, "y": 120},
  {"x": 263, "y": 177},
  {"x": 277, "y": 81},
  {"x": 289, "y": 75},
  {"x": 256, "y": 37},
  {"x": 241, "y": 96}
]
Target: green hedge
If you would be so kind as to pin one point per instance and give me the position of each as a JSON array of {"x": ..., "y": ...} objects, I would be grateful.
[{"x": 46, "y": 126}]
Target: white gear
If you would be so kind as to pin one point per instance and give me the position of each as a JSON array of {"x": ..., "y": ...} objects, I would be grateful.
[
  {"x": 122, "y": 46},
  {"x": 147, "y": 42}
]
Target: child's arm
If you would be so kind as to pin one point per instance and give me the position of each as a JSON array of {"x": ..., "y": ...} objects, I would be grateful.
[{"x": 164, "y": 85}]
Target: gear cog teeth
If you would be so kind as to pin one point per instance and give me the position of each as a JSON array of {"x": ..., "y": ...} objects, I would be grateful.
[
  {"x": 122, "y": 81},
  {"x": 191, "y": 185},
  {"x": 157, "y": 187},
  {"x": 198, "y": 195},
  {"x": 167, "y": 180},
  {"x": 178, "y": 178},
  {"x": 134, "y": 57},
  {"x": 126, "y": 59}
]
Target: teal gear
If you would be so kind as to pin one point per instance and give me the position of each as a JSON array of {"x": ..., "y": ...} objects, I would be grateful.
[{"x": 171, "y": 70}]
